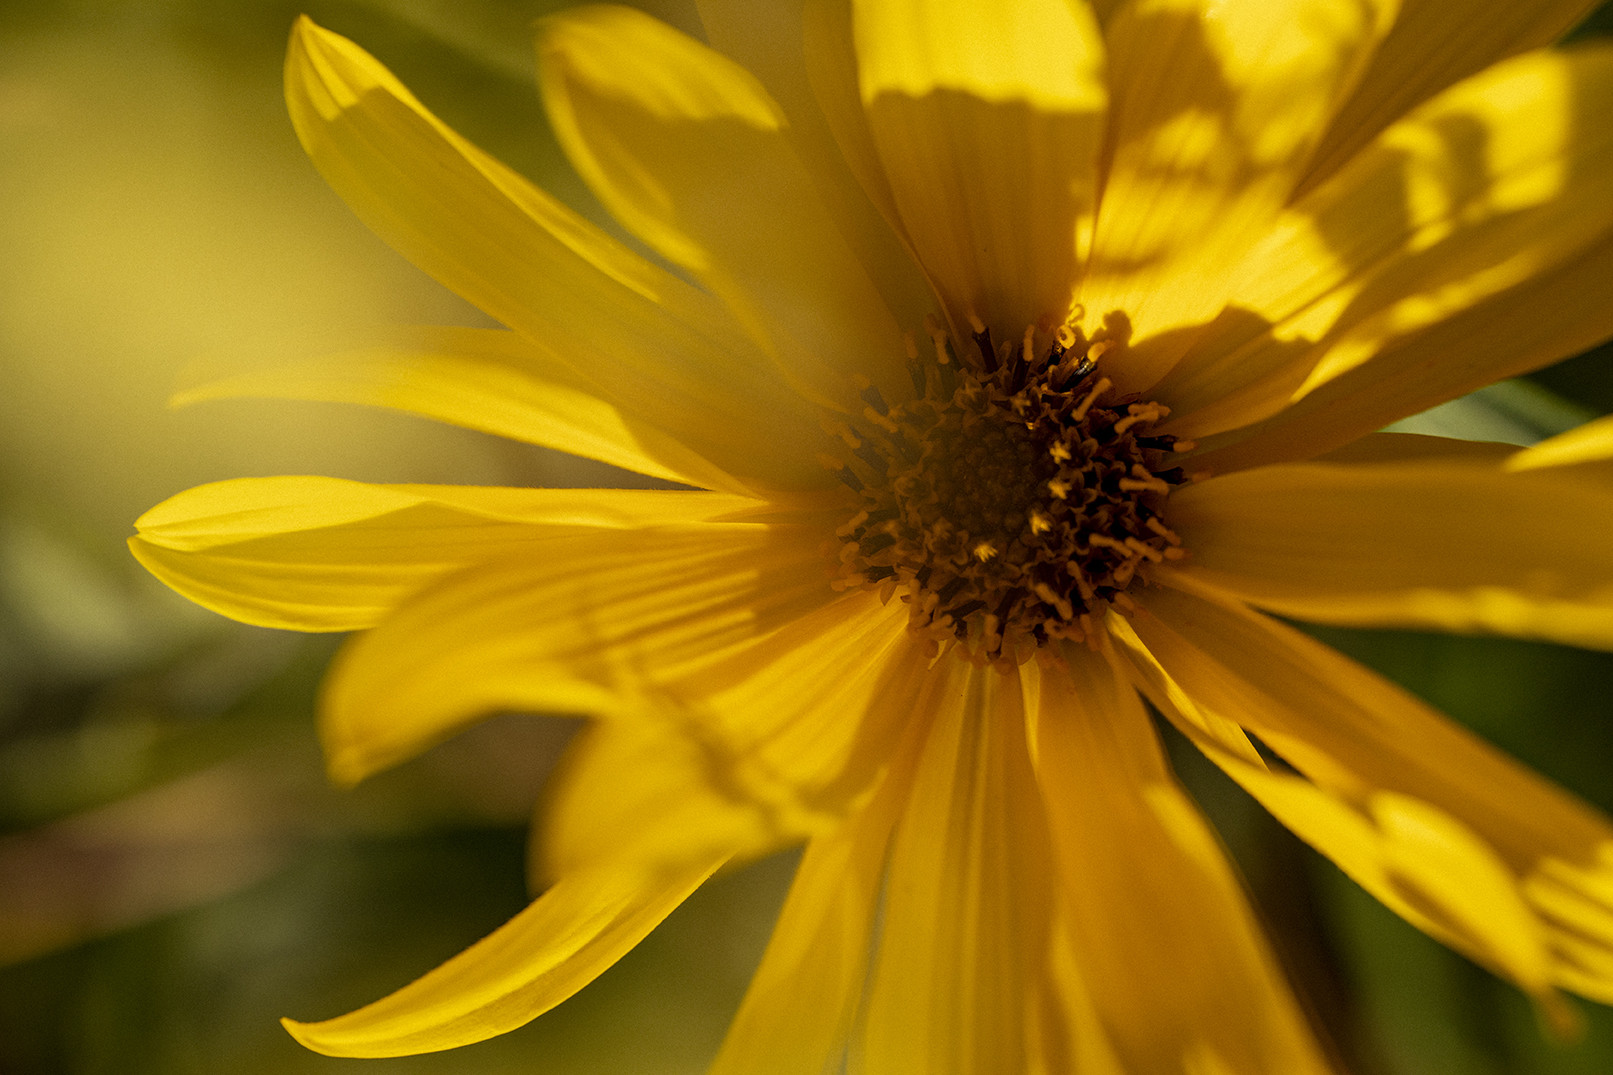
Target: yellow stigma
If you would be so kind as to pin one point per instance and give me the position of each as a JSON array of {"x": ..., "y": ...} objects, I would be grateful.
[{"x": 1012, "y": 499}]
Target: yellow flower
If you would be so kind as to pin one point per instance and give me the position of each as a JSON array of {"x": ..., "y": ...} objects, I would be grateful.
[{"x": 954, "y": 290}]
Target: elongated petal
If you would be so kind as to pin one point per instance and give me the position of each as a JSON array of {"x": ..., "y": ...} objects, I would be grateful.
[
  {"x": 763, "y": 749},
  {"x": 782, "y": 43},
  {"x": 797, "y": 1016},
  {"x": 1175, "y": 963},
  {"x": 322, "y": 554},
  {"x": 988, "y": 119},
  {"x": 1477, "y": 227},
  {"x": 501, "y": 383},
  {"x": 1436, "y": 44},
  {"x": 592, "y": 623},
  {"x": 688, "y": 151},
  {"x": 645, "y": 340},
  {"x": 798, "y": 1011},
  {"x": 1589, "y": 443},
  {"x": 1574, "y": 312},
  {"x": 1216, "y": 108},
  {"x": 963, "y": 945},
  {"x": 1448, "y": 545},
  {"x": 542, "y": 956},
  {"x": 1377, "y": 448},
  {"x": 829, "y": 44},
  {"x": 1447, "y": 831}
]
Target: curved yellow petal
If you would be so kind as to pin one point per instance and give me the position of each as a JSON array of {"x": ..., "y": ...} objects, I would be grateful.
[
  {"x": 1176, "y": 965},
  {"x": 542, "y": 956},
  {"x": 643, "y": 339},
  {"x": 498, "y": 382},
  {"x": 1436, "y": 44},
  {"x": 797, "y": 1016},
  {"x": 1452, "y": 545},
  {"x": 988, "y": 119},
  {"x": 323, "y": 554},
  {"x": 963, "y": 946},
  {"x": 1468, "y": 243},
  {"x": 1215, "y": 109},
  {"x": 1444, "y": 829},
  {"x": 580, "y": 623},
  {"x": 688, "y": 150},
  {"x": 761, "y": 750}
]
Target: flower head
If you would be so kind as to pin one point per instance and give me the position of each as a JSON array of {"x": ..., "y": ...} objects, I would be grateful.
[{"x": 1021, "y": 357}]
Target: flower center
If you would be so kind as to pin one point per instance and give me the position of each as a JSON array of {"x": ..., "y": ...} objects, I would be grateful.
[{"x": 1012, "y": 499}]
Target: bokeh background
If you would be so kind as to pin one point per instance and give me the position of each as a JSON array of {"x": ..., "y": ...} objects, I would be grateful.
[{"x": 175, "y": 874}]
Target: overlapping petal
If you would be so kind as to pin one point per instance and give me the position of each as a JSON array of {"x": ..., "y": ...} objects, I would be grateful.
[
  {"x": 798, "y": 1011},
  {"x": 1215, "y": 110},
  {"x": 1435, "y": 44},
  {"x": 499, "y": 382},
  {"x": 967, "y": 912},
  {"x": 563, "y": 941},
  {"x": 688, "y": 150},
  {"x": 987, "y": 119},
  {"x": 783, "y": 43},
  {"x": 584, "y": 623},
  {"x": 1451, "y": 545},
  {"x": 642, "y": 339},
  {"x": 323, "y": 554},
  {"x": 1478, "y": 226},
  {"x": 1442, "y": 828},
  {"x": 1416, "y": 373},
  {"x": 759, "y": 750},
  {"x": 1181, "y": 978},
  {"x": 797, "y": 1017}
]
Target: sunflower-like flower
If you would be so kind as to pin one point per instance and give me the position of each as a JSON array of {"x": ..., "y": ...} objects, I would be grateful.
[{"x": 1019, "y": 358}]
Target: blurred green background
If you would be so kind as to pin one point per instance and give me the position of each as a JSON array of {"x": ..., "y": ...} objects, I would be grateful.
[{"x": 174, "y": 872}]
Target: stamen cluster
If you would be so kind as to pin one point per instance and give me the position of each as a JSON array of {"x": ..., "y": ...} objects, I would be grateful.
[{"x": 1012, "y": 499}]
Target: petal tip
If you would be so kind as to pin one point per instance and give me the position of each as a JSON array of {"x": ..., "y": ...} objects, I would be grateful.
[{"x": 346, "y": 769}]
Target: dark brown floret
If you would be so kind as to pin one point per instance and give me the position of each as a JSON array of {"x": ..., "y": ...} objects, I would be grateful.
[{"x": 1012, "y": 500}]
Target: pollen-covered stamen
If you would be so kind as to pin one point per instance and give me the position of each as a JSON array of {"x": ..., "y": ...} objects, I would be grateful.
[{"x": 1012, "y": 499}]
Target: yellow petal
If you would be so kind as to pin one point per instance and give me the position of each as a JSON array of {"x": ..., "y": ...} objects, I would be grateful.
[
  {"x": 642, "y": 338},
  {"x": 1421, "y": 448},
  {"x": 498, "y": 382},
  {"x": 797, "y": 1012},
  {"x": 965, "y": 929},
  {"x": 1071, "y": 1036},
  {"x": 1435, "y": 44},
  {"x": 583, "y": 623},
  {"x": 1104, "y": 10},
  {"x": 782, "y": 43},
  {"x": 753, "y": 764},
  {"x": 1215, "y": 108},
  {"x": 322, "y": 554},
  {"x": 1574, "y": 307},
  {"x": 1175, "y": 963},
  {"x": 1458, "y": 546},
  {"x": 1479, "y": 227},
  {"x": 830, "y": 49},
  {"x": 542, "y": 956},
  {"x": 688, "y": 150},
  {"x": 1589, "y": 443},
  {"x": 988, "y": 119},
  {"x": 1448, "y": 832},
  {"x": 797, "y": 1015}
]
